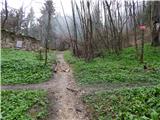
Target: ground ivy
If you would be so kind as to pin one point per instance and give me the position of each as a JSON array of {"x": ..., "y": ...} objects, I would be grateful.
[
  {"x": 126, "y": 104},
  {"x": 17, "y": 104},
  {"x": 19, "y": 66}
]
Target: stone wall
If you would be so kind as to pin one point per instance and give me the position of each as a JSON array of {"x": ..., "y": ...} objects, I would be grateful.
[{"x": 19, "y": 41}]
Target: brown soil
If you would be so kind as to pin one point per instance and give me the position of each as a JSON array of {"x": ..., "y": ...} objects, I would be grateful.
[
  {"x": 68, "y": 105},
  {"x": 87, "y": 89}
]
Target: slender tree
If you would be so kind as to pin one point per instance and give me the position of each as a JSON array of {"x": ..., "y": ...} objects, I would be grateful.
[
  {"x": 126, "y": 12},
  {"x": 6, "y": 14},
  {"x": 135, "y": 28},
  {"x": 75, "y": 44},
  {"x": 156, "y": 24},
  {"x": 50, "y": 11},
  {"x": 142, "y": 41}
]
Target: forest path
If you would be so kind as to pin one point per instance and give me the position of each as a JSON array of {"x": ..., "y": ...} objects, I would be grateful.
[
  {"x": 90, "y": 89},
  {"x": 63, "y": 93},
  {"x": 68, "y": 105}
]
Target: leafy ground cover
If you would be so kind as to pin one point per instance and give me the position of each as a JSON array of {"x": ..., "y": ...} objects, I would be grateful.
[
  {"x": 19, "y": 66},
  {"x": 23, "y": 104},
  {"x": 125, "y": 104},
  {"x": 121, "y": 68}
]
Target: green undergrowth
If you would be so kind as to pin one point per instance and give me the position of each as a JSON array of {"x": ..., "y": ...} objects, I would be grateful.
[
  {"x": 23, "y": 67},
  {"x": 126, "y": 104},
  {"x": 117, "y": 68},
  {"x": 23, "y": 104}
]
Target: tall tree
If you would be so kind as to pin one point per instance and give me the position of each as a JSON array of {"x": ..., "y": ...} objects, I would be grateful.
[
  {"x": 29, "y": 23},
  {"x": 20, "y": 18},
  {"x": 135, "y": 28},
  {"x": 142, "y": 41},
  {"x": 75, "y": 46},
  {"x": 6, "y": 14},
  {"x": 126, "y": 12},
  {"x": 156, "y": 24},
  {"x": 49, "y": 8}
]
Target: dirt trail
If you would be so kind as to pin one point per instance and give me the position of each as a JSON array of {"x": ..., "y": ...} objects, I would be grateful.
[
  {"x": 89, "y": 89},
  {"x": 67, "y": 94},
  {"x": 63, "y": 94},
  {"x": 46, "y": 85}
]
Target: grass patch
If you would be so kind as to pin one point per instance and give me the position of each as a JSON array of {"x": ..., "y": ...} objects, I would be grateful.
[
  {"x": 126, "y": 104},
  {"x": 19, "y": 66},
  {"x": 20, "y": 104},
  {"x": 117, "y": 68}
]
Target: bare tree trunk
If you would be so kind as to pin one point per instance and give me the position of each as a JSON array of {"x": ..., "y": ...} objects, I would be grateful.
[
  {"x": 67, "y": 27},
  {"x": 106, "y": 29},
  {"x": 135, "y": 29},
  {"x": 142, "y": 48},
  {"x": 127, "y": 34},
  {"x": 49, "y": 8},
  {"x": 75, "y": 30},
  {"x": 114, "y": 30},
  {"x": 120, "y": 28},
  {"x": 48, "y": 37},
  {"x": 151, "y": 21},
  {"x": 85, "y": 31},
  {"x": 142, "y": 44},
  {"x": 156, "y": 24},
  {"x": 6, "y": 13},
  {"x": 90, "y": 32}
]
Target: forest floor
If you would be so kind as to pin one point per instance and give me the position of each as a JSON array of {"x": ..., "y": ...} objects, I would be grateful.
[
  {"x": 114, "y": 84},
  {"x": 64, "y": 94}
]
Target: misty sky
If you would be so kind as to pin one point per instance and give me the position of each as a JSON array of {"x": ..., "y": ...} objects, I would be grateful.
[{"x": 37, "y": 5}]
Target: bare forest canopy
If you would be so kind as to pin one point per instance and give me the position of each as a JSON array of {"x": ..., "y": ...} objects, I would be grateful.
[{"x": 94, "y": 26}]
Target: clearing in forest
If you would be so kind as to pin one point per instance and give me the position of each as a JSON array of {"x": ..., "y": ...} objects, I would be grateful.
[{"x": 62, "y": 98}]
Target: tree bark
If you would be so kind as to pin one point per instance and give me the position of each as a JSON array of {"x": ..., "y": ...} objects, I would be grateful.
[
  {"x": 156, "y": 24},
  {"x": 6, "y": 12},
  {"x": 135, "y": 29},
  {"x": 142, "y": 44}
]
